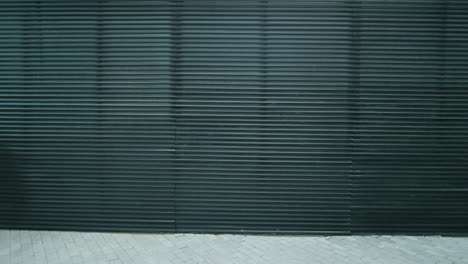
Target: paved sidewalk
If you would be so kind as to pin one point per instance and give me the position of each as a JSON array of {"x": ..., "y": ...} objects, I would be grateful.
[{"x": 95, "y": 248}]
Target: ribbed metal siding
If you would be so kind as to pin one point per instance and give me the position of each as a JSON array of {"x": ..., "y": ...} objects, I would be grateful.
[
  {"x": 410, "y": 106},
  {"x": 262, "y": 116},
  {"x": 86, "y": 107},
  {"x": 235, "y": 116}
]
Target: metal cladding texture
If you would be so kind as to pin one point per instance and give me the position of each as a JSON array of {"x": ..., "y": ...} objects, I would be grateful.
[{"x": 272, "y": 116}]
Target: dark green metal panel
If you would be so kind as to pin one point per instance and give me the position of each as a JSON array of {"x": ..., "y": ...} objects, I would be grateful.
[
  {"x": 234, "y": 116},
  {"x": 86, "y": 105},
  {"x": 410, "y": 127}
]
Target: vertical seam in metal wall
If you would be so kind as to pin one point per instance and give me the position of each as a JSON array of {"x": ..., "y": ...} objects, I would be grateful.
[
  {"x": 439, "y": 122},
  {"x": 25, "y": 34},
  {"x": 263, "y": 86},
  {"x": 174, "y": 55},
  {"x": 354, "y": 82},
  {"x": 98, "y": 101}
]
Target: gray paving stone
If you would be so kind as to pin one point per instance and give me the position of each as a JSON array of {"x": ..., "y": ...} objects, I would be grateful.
[{"x": 52, "y": 247}]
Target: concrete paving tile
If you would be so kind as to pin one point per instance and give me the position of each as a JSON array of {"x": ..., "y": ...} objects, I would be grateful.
[{"x": 114, "y": 248}]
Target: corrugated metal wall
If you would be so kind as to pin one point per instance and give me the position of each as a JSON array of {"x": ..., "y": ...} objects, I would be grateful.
[
  {"x": 235, "y": 116},
  {"x": 410, "y": 142}
]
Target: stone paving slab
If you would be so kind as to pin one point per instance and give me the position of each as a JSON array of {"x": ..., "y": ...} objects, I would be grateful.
[{"x": 54, "y": 247}]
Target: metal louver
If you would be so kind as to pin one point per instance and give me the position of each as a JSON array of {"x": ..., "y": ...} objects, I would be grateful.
[{"x": 276, "y": 116}]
